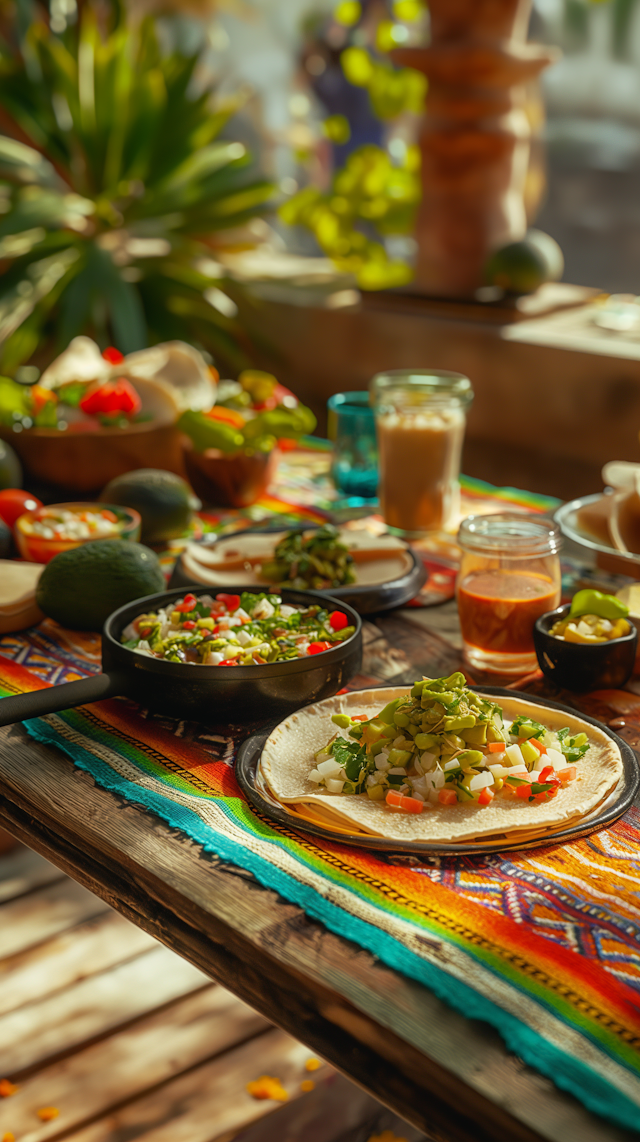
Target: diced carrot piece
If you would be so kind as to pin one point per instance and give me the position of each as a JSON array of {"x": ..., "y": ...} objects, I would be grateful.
[
  {"x": 568, "y": 774},
  {"x": 48, "y": 1113},
  {"x": 523, "y": 791},
  {"x": 394, "y": 798},
  {"x": 359, "y": 717},
  {"x": 7, "y": 1088},
  {"x": 497, "y": 747},
  {"x": 486, "y": 796},
  {"x": 538, "y": 745},
  {"x": 267, "y": 1087},
  {"x": 411, "y": 805},
  {"x": 447, "y": 797}
]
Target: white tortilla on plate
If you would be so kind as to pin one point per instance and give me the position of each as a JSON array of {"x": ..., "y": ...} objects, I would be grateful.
[
  {"x": 289, "y": 756},
  {"x": 238, "y": 559}
]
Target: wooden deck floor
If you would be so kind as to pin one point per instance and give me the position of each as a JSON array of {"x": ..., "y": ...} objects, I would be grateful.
[{"x": 130, "y": 1043}]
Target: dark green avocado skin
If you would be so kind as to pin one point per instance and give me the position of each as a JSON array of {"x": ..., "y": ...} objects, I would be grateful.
[
  {"x": 81, "y": 587},
  {"x": 165, "y": 501}
]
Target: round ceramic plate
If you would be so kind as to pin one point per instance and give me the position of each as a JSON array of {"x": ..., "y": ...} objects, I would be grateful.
[
  {"x": 611, "y": 809},
  {"x": 567, "y": 519},
  {"x": 364, "y": 598}
]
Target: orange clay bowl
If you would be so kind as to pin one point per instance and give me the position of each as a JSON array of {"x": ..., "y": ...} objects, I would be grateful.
[
  {"x": 84, "y": 461},
  {"x": 229, "y": 481}
]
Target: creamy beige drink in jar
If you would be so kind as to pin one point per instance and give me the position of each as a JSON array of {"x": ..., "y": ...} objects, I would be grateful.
[{"x": 420, "y": 423}]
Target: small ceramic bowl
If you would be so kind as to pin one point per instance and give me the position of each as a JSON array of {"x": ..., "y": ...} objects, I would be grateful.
[
  {"x": 229, "y": 481},
  {"x": 578, "y": 666},
  {"x": 37, "y": 548}
]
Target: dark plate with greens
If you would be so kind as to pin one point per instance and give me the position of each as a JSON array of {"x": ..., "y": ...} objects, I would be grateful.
[{"x": 364, "y": 598}]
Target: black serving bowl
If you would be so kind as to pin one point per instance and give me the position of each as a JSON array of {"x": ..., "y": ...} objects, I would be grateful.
[
  {"x": 230, "y": 693},
  {"x": 579, "y": 666}
]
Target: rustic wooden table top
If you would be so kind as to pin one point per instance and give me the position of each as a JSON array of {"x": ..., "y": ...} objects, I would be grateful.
[{"x": 448, "y": 1076}]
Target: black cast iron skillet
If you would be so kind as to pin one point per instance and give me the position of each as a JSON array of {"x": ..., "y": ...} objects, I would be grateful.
[{"x": 204, "y": 693}]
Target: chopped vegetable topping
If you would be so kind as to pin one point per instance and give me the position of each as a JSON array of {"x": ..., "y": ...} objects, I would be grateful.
[
  {"x": 319, "y": 561},
  {"x": 234, "y": 630},
  {"x": 443, "y": 744},
  {"x": 312, "y": 1065},
  {"x": 307, "y": 1085},
  {"x": 60, "y": 523},
  {"x": 7, "y": 1088}
]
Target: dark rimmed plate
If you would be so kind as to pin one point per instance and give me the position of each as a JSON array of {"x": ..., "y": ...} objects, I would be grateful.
[
  {"x": 615, "y": 805},
  {"x": 364, "y": 600}
]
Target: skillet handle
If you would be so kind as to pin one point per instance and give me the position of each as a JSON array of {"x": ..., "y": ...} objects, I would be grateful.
[{"x": 18, "y": 707}]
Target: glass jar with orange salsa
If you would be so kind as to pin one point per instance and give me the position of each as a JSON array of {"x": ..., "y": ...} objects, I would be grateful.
[{"x": 509, "y": 575}]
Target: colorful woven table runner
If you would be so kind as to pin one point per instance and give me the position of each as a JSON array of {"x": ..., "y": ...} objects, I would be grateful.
[{"x": 544, "y": 946}]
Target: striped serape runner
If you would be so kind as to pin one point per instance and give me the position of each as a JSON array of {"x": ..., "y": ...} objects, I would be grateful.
[{"x": 544, "y": 946}]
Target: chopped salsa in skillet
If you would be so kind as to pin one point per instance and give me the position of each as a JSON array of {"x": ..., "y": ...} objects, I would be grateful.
[{"x": 235, "y": 630}]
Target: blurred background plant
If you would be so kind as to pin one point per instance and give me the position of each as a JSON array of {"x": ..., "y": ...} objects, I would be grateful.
[
  {"x": 117, "y": 194},
  {"x": 367, "y": 213}
]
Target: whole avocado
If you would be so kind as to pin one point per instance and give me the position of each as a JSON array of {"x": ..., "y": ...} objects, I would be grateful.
[
  {"x": 521, "y": 267},
  {"x": 81, "y": 587},
  {"x": 165, "y": 501},
  {"x": 10, "y": 467}
]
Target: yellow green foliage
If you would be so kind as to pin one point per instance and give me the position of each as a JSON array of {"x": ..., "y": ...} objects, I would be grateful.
[{"x": 368, "y": 189}]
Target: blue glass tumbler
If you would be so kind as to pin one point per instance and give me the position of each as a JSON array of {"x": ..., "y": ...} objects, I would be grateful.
[{"x": 352, "y": 430}]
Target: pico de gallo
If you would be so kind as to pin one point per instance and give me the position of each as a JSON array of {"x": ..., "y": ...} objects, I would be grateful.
[
  {"x": 443, "y": 744},
  {"x": 60, "y": 523},
  {"x": 235, "y": 630}
]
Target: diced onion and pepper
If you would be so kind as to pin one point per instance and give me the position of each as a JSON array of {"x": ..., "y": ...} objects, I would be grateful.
[
  {"x": 59, "y": 523},
  {"x": 235, "y": 630},
  {"x": 443, "y": 744},
  {"x": 593, "y": 617}
]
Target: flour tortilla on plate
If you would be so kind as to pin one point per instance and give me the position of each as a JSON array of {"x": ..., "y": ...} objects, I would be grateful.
[{"x": 289, "y": 756}]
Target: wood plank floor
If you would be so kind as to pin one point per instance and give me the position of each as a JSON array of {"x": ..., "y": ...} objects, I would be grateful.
[{"x": 130, "y": 1043}]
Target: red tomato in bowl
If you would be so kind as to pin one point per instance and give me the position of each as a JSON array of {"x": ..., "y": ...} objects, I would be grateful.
[{"x": 14, "y": 503}]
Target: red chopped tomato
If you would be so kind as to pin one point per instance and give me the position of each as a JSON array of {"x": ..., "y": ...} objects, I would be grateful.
[
  {"x": 564, "y": 775},
  {"x": 317, "y": 647},
  {"x": 486, "y": 796},
  {"x": 546, "y": 773},
  {"x": 14, "y": 503},
  {"x": 111, "y": 516},
  {"x": 229, "y": 662},
  {"x": 356, "y": 717},
  {"x": 524, "y": 791},
  {"x": 226, "y": 416},
  {"x": 187, "y": 604},
  {"x": 112, "y": 355},
  {"x": 338, "y": 620},
  {"x": 189, "y": 625},
  {"x": 231, "y": 602},
  {"x": 112, "y": 397}
]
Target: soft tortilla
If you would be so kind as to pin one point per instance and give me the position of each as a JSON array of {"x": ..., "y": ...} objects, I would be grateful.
[{"x": 289, "y": 755}]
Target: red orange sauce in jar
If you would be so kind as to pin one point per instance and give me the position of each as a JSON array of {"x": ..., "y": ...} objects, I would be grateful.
[
  {"x": 509, "y": 575},
  {"x": 498, "y": 609}
]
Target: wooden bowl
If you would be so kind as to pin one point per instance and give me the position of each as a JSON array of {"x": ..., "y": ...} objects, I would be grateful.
[
  {"x": 84, "y": 461},
  {"x": 229, "y": 481}
]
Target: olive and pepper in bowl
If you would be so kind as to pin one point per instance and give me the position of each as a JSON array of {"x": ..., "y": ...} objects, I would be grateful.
[{"x": 588, "y": 644}]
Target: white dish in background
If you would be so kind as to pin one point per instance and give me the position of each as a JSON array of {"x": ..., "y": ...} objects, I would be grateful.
[{"x": 567, "y": 519}]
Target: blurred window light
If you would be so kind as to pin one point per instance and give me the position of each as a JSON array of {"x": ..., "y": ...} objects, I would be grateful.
[
  {"x": 299, "y": 105},
  {"x": 220, "y": 301}
]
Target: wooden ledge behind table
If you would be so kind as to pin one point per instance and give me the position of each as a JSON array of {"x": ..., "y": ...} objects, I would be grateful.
[{"x": 555, "y": 395}]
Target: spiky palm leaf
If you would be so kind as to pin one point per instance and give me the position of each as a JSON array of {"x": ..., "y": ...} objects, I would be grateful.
[{"x": 115, "y": 193}]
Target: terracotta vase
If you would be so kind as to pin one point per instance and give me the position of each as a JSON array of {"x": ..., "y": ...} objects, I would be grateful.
[{"x": 475, "y": 137}]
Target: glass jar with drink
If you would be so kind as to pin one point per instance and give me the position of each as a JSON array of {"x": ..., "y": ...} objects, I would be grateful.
[
  {"x": 420, "y": 423},
  {"x": 509, "y": 575}
]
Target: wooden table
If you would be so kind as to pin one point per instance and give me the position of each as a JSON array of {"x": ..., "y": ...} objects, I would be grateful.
[{"x": 448, "y": 1076}]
